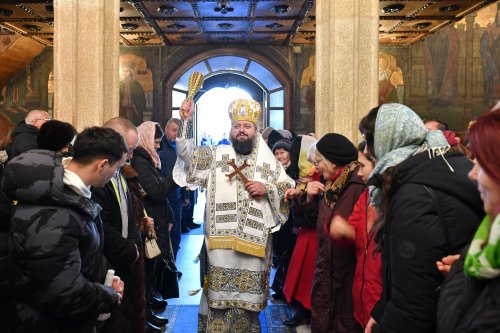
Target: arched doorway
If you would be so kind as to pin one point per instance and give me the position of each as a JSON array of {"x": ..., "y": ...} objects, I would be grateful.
[{"x": 228, "y": 63}]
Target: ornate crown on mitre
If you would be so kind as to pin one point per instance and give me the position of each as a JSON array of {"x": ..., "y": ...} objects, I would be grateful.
[{"x": 244, "y": 109}]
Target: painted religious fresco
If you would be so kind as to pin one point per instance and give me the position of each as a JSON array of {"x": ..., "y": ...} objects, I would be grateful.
[
  {"x": 28, "y": 89},
  {"x": 454, "y": 75},
  {"x": 306, "y": 77},
  {"x": 136, "y": 89},
  {"x": 391, "y": 81}
]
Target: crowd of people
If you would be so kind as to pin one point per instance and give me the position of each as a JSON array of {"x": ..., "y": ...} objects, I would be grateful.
[
  {"x": 399, "y": 243},
  {"x": 400, "y": 233}
]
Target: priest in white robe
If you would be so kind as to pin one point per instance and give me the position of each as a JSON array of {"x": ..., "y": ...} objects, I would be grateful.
[{"x": 245, "y": 188}]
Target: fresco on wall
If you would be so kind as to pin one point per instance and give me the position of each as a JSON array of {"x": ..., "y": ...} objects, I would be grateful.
[
  {"x": 307, "y": 94},
  {"x": 136, "y": 88},
  {"x": 27, "y": 90},
  {"x": 453, "y": 75},
  {"x": 390, "y": 78},
  {"x": 305, "y": 75}
]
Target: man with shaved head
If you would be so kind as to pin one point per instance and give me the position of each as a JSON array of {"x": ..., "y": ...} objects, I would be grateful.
[{"x": 24, "y": 137}]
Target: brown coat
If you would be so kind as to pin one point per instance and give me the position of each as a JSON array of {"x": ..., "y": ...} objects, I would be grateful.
[{"x": 332, "y": 304}]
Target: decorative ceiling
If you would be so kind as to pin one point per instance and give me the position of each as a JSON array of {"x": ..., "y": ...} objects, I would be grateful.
[{"x": 267, "y": 22}]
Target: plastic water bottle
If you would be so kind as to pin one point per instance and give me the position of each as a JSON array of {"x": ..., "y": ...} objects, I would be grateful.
[{"x": 107, "y": 282}]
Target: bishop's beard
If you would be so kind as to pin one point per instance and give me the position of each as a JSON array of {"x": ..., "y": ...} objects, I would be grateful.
[{"x": 242, "y": 147}]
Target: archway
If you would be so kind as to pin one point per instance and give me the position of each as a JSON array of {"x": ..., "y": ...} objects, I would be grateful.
[{"x": 268, "y": 74}]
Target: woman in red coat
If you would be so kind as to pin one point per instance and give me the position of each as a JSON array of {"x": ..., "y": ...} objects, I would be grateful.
[{"x": 367, "y": 285}]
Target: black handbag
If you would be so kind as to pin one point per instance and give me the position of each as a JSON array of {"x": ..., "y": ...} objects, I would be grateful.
[
  {"x": 167, "y": 282},
  {"x": 167, "y": 276}
]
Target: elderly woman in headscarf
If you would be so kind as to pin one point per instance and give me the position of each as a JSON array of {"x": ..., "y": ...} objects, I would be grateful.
[
  {"x": 428, "y": 208},
  {"x": 146, "y": 162}
]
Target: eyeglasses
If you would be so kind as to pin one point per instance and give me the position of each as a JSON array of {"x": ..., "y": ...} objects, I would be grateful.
[
  {"x": 316, "y": 162},
  {"x": 44, "y": 119}
]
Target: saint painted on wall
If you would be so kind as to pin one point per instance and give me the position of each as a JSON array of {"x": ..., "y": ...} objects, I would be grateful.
[
  {"x": 307, "y": 95},
  {"x": 136, "y": 89},
  {"x": 132, "y": 98},
  {"x": 390, "y": 78}
]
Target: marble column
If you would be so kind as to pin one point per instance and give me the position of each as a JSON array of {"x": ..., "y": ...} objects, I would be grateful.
[
  {"x": 346, "y": 64},
  {"x": 86, "y": 55}
]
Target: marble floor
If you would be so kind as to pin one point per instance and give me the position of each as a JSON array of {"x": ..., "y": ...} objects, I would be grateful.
[{"x": 186, "y": 263}]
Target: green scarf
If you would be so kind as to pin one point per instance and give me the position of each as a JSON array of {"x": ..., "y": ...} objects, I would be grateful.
[{"x": 483, "y": 259}]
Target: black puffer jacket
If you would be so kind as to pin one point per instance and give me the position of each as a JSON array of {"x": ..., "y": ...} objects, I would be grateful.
[
  {"x": 415, "y": 237},
  {"x": 467, "y": 304},
  {"x": 24, "y": 138},
  {"x": 56, "y": 249}
]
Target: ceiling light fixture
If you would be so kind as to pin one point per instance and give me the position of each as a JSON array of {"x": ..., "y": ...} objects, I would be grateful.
[
  {"x": 223, "y": 7},
  {"x": 167, "y": 10},
  {"x": 280, "y": 9},
  {"x": 32, "y": 27},
  {"x": 422, "y": 25},
  {"x": 6, "y": 12},
  {"x": 274, "y": 26},
  {"x": 225, "y": 26},
  {"x": 392, "y": 9},
  {"x": 130, "y": 26},
  {"x": 176, "y": 26},
  {"x": 446, "y": 9}
]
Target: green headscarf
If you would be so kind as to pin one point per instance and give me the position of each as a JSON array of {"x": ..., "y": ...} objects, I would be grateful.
[{"x": 400, "y": 134}]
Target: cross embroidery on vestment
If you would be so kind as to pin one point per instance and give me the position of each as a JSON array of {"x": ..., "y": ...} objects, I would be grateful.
[
  {"x": 265, "y": 171},
  {"x": 223, "y": 164}
]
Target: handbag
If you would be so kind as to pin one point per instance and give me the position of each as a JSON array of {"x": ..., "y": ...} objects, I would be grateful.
[
  {"x": 166, "y": 277},
  {"x": 151, "y": 248}
]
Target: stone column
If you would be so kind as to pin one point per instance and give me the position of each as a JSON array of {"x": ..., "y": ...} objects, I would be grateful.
[
  {"x": 346, "y": 64},
  {"x": 86, "y": 61}
]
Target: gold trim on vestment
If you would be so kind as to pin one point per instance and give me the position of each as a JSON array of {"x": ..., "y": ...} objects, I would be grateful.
[{"x": 237, "y": 244}]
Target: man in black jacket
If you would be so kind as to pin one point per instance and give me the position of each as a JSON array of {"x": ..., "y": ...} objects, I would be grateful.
[
  {"x": 123, "y": 240},
  {"x": 122, "y": 237},
  {"x": 56, "y": 234},
  {"x": 24, "y": 137}
]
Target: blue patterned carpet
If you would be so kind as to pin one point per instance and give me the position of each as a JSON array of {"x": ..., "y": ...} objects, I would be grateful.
[{"x": 183, "y": 319}]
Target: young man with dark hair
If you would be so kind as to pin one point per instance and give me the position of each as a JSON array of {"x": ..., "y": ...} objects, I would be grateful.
[{"x": 56, "y": 235}]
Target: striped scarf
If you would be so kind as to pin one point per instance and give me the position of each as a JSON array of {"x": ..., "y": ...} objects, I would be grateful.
[{"x": 483, "y": 258}]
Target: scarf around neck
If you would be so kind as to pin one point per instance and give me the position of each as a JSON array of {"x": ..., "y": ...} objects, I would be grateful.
[
  {"x": 400, "y": 134},
  {"x": 482, "y": 259}
]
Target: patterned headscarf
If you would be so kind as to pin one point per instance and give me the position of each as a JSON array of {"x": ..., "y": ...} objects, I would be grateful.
[
  {"x": 147, "y": 140},
  {"x": 400, "y": 134}
]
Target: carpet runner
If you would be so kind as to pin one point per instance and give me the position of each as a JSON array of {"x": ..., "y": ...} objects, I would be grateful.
[{"x": 184, "y": 319}]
